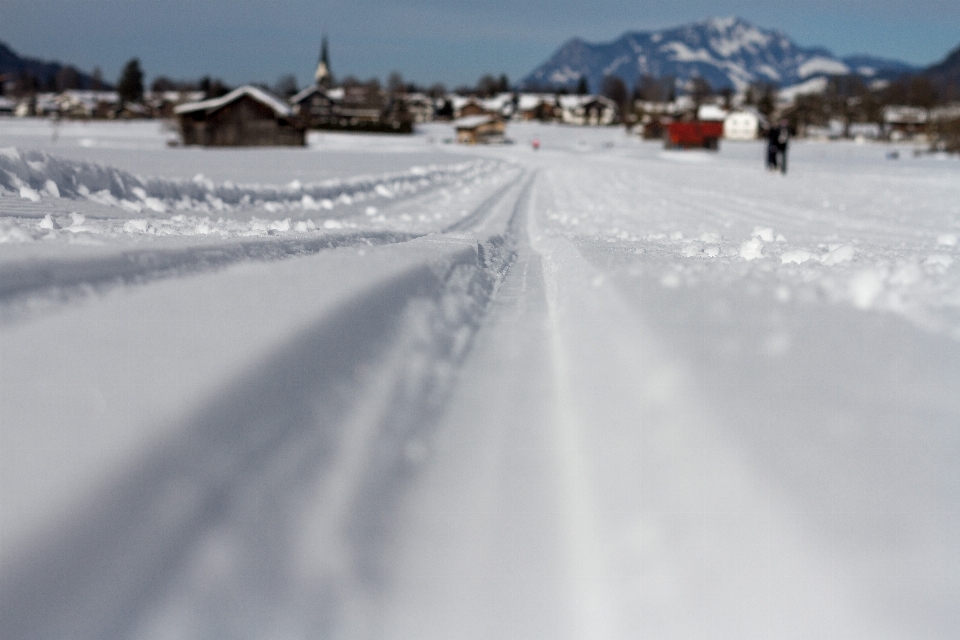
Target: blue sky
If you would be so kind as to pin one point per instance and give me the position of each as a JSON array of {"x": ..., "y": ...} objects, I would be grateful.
[{"x": 427, "y": 40}]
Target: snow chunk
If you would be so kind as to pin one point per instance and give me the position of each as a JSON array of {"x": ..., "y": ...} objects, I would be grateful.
[
  {"x": 840, "y": 254},
  {"x": 29, "y": 194},
  {"x": 136, "y": 226},
  {"x": 764, "y": 233},
  {"x": 48, "y": 223},
  {"x": 947, "y": 239},
  {"x": 751, "y": 249},
  {"x": 711, "y": 238}
]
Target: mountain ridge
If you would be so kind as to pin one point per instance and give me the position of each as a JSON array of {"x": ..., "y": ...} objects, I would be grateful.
[
  {"x": 727, "y": 52},
  {"x": 45, "y": 71}
]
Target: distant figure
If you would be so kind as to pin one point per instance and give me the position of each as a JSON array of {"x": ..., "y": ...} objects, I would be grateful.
[
  {"x": 783, "y": 138},
  {"x": 535, "y": 143},
  {"x": 777, "y": 140},
  {"x": 773, "y": 137}
]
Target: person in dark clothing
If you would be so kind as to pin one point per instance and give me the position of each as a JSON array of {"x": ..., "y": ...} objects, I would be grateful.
[
  {"x": 773, "y": 146},
  {"x": 777, "y": 139},
  {"x": 783, "y": 138}
]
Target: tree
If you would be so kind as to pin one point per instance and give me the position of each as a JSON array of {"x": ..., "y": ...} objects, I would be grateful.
[
  {"x": 763, "y": 96},
  {"x": 727, "y": 94},
  {"x": 395, "y": 84},
  {"x": 700, "y": 91},
  {"x": 615, "y": 88},
  {"x": 582, "y": 87},
  {"x": 286, "y": 85},
  {"x": 213, "y": 87},
  {"x": 487, "y": 86},
  {"x": 97, "y": 80},
  {"x": 67, "y": 78},
  {"x": 130, "y": 86}
]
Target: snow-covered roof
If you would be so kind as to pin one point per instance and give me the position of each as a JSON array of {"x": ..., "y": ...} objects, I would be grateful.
[
  {"x": 711, "y": 112},
  {"x": 900, "y": 114},
  {"x": 306, "y": 93},
  {"x": 279, "y": 107},
  {"x": 472, "y": 122},
  {"x": 531, "y": 100}
]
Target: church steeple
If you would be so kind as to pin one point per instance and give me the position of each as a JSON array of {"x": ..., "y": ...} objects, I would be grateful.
[{"x": 323, "y": 76}]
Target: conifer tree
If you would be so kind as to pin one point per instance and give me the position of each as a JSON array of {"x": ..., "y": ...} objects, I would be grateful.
[{"x": 130, "y": 86}]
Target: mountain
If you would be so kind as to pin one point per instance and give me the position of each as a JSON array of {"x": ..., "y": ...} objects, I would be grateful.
[
  {"x": 13, "y": 65},
  {"x": 727, "y": 52},
  {"x": 946, "y": 72}
]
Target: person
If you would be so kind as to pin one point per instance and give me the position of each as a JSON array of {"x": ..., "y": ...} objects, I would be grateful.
[
  {"x": 783, "y": 138},
  {"x": 773, "y": 146},
  {"x": 535, "y": 143},
  {"x": 777, "y": 139}
]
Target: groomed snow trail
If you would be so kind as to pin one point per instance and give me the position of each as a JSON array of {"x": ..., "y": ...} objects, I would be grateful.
[{"x": 595, "y": 391}]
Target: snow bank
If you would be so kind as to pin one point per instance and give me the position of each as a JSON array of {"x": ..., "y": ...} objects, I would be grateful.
[{"x": 35, "y": 175}]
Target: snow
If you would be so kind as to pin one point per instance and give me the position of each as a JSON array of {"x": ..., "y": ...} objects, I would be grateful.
[
  {"x": 813, "y": 85},
  {"x": 279, "y": 107},
  {"x": 819, "y": 64},
  {"x": 390, "y": 387}
]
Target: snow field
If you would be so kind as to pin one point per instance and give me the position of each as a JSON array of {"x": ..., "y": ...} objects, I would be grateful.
[{"x": 598, "y": 390}]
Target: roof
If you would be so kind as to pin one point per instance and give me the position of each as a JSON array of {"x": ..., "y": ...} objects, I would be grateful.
[
  {"x": 306, "y": 93},
  {"x": 472, "y": 122},
  {"x": 711, "y": 112},
  {"x": 279, "y": 107}
]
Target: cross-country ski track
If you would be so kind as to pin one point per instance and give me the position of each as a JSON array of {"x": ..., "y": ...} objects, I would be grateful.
[{"x": 594, "y": 391}]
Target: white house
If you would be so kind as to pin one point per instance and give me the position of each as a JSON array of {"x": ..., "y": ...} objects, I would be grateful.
[{"x": 742, "y": 124}]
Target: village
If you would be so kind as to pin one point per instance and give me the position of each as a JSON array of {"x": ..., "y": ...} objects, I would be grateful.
[{"x": 682, "y": 115}]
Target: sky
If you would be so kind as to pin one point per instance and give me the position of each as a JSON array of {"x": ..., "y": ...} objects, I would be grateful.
[{"x": 427, "y": 41}]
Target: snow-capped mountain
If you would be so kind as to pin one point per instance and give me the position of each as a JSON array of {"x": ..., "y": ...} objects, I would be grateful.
[{"x": 728, "y": 52}]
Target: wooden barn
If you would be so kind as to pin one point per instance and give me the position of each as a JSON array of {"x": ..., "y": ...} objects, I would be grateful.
[
  {"x": 245, "y": 117},
  {"x": 480, "y": 130}
]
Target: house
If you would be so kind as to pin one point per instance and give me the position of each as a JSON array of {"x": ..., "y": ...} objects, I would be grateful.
[
  {"x": 485, "y": 129},
  {"x": 246, "y": 116},
  {"x": 468, "y": 107},
  {"x": 420, "y": 107},
  {"x": 588, "y": 110},
  {"x": 7, "y": 106},
  {"x": 358, "y": 107},
  {"x": 536, "y": 106},
  {"x": 315, "y": 106},
  {"x": 743, "y": 124},
  {"x": 904, "y": 122}
]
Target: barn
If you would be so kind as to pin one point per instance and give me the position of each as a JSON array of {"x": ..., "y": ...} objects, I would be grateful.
[
  {"x": 245, "y": 117},
  {"x": 480, "y": 130}
]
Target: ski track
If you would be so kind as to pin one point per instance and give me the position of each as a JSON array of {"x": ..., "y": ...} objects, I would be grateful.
[{"x": 605, "y": 393}]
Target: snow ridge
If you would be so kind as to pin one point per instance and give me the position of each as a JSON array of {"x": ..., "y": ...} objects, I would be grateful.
[{"x": 34, "y": 175}]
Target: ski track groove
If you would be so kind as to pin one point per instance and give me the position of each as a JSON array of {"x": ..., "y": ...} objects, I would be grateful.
[
  {"x": 273, "y": 433},
  {"x": 21, "y": 283}
]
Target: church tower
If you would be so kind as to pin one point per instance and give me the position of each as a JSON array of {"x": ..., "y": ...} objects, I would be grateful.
[{"x": 323, "y": 76}]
